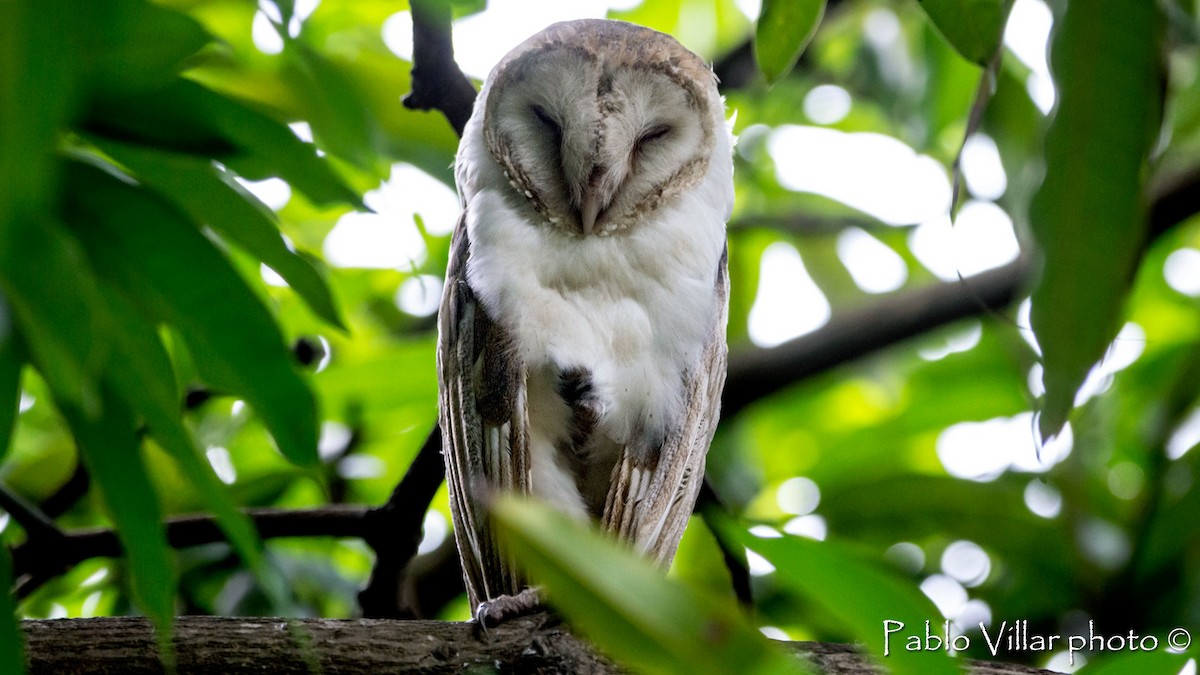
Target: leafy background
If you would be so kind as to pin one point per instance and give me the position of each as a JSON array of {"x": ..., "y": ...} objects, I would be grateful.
[{"x": 181, "y": 331}]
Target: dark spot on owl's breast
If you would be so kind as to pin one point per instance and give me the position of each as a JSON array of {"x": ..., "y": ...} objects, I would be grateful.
[
  {"x": 577, "y": 390},
  {"x": 575, "y": 384}
]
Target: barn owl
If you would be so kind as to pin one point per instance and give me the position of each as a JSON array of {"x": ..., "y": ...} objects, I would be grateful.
[{"x": 581, "y": 335}]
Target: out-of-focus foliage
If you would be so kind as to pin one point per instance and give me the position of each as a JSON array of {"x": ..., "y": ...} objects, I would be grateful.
[
  {"x": 178, "y": 178},
  {"x": 626, "y": 606},
  {"x": 11, "y": 650},
  {"x": 974, "y": 28},
  {"x": 783, "y": 30},
  {"x": 1077, "y": 307},
  {"x": 827, "y": 574}
]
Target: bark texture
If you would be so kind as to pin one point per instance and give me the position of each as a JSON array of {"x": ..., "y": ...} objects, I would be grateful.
[{"x": 266, "y": 646}]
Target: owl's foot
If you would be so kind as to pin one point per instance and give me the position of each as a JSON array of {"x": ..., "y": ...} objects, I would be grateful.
[{"x": 492, "y": 613}]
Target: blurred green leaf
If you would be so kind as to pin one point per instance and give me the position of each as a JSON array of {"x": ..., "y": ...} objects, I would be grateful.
[
  {"x": 628, "y": 607},
  {"x": 156, "y": 257},
  {"x": 144, "y": 378},
  {"x": 973, "y": 27},
  {"x": 187, "y": 117},
  {"x": 134, "y": 44},
  {"x": 340, "y": 119},
  {"x": 10, "y": 377},
  {"x": 59, "y": 320},
  {"x": 1089, "y": 217},
  {"x": 901, "y": 506},
  {"x": 784, "y": 30},
  {"x": 37, "y": 73},
  {"x": 860, "y": 594},
  {"x": 110, "y": 448},
  {"x": 12, "y": 649},
  {"x": 210, "y": 197}
]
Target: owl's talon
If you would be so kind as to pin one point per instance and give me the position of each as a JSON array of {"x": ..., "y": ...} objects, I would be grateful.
[{"x": 492, "y": 613}]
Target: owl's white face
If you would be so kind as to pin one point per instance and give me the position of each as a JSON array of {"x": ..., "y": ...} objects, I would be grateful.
[{"x": 595, "y": 138}]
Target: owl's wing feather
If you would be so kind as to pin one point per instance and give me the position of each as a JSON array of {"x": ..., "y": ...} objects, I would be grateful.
[
  {"x": 483, "y": 415},
  {"x": 652, "y": 494}
]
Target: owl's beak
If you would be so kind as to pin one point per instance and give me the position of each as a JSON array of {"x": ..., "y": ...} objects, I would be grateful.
[
  {"x": 595, "y": 195},
  {"x": 589, "y": 209}
]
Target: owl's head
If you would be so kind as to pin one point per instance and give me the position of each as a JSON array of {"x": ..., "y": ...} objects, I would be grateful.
[{"x": 596, "y": 122}]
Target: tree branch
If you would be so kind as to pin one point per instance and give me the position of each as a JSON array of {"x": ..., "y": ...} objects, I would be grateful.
[
  {"x": 392, "y": 530},
  {"x": 437, "y": 81},
  {"x": 757, "y": 373},
  {"x": 33, "y": 555},
  {"x": 395, "y": 531},
  {"x": 36, "y": 524},
  {"x": 68, "y": 494},
  {"x": 1176, "y": 198},
  {"x": 711, "y": 507},
  {"x": 266, "y": 646}
]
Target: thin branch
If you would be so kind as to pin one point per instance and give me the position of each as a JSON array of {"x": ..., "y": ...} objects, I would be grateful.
[
  {"x": 711, "y": 506},
  {"x": 43, "y": 538},
  {"x": 1175, "y": 199},
  {"x": 432, "y": 580},
  {"x": 437, "y": 81},
  {"x": 68, "y": 494},
  {"x": 394, "y": 531},
  {"x": 31, "y": 558},
  {"x": 810, "y": 223},
  {"x": 36, "y": 524}
]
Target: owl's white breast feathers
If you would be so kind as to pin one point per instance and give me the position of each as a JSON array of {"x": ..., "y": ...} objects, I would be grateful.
[{"x": 634, "y": 308}]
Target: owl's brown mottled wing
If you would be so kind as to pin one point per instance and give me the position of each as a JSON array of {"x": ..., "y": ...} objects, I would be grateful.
[
  {"x": 652, "y": 495},
  {"x": 482, "y": 411}
]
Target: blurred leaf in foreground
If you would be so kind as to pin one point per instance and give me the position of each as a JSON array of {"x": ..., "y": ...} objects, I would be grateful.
[
  {"x": 1089, "y": 216},
  {"x": 866, "y": 598},
  {"x": 784, "y": 30},
  {"x": 973, "y": 27},
  {"x": 12, "y": 658},
  {"x": 626, "y": 605},
  {"x": 152, "y": 254}
]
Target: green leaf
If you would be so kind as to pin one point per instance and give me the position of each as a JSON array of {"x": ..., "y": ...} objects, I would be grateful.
[
  {"x": 187, "y": 117},
  {"x": 973, "y": 27},
  {"x": 1089, "y": 216},
  {"x": 339, "y": 117},
  {"x": 142, "y": 375},
  {"x": 37, "y": 73},
  {"x": 10, "y": 377},
  {"x": 134, "y": 44},
  {"x": 110, "y": 448},
  {"x": 12, "y": 648},
  {"x": 626, "y": 605},
  {"x": 784, "y": 30},
  {"x": 37, "y": 80},
  {"x": 863, "y": 596},
  {"x": 156, "y": 257},
  {"x": 58, "y": 320},
  {"x": 210, "y": 197}
]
